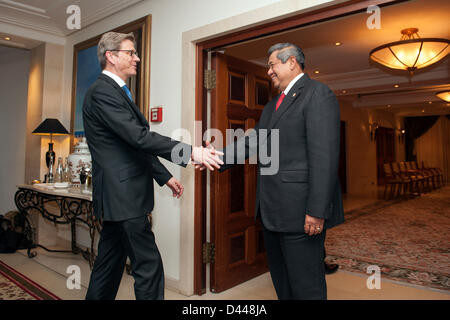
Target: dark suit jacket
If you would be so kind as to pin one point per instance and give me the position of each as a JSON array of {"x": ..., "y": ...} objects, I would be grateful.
[
  {"x": 306, "y": 182},
  {"x": 124, "y": 153}
]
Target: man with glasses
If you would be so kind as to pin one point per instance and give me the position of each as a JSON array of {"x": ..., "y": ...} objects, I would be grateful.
[
  {"x": 303, "y": 198},
  {"x": 124, "y": 164}
]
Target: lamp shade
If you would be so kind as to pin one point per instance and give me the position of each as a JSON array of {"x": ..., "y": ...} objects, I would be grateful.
[
  {"x": 411, "y": 52},
  {"x": 50, "y": 126},
  {"x": 444, "y": 95}
]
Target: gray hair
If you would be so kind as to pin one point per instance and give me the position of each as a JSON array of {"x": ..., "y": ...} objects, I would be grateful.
[
  {"x": 288, "y": 50},
  {"x": 111, "y": 41}
]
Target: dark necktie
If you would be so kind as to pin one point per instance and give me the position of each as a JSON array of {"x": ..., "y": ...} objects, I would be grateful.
[
  {"x": 128, "y": 92},
  {"x": 280, "y": 99}
]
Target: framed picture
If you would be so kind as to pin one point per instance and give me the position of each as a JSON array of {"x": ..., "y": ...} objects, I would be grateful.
[{"x": 86, "y": 70}]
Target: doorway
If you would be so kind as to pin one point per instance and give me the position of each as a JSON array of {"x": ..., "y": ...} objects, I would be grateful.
[
  {"x": 247, "y": 239},
  {"x": 384, "y": 138}
]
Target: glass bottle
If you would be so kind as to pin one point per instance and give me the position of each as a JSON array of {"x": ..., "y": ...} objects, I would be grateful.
[
  {"x": 59, "y": 171},
  {"x": 50, "y": 178},
  {"x": 66, "y": 171}
]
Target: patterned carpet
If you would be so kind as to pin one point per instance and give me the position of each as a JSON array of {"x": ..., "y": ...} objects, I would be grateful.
[
  {"x": 10, "y": 291},
  {"x": 15, "y": 286},
  {"x": 408, "y": 239}
]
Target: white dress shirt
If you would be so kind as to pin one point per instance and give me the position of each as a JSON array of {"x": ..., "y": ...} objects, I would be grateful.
[
  {"x": 115, "y": 77},
  {"x": 291, "y": 84}
]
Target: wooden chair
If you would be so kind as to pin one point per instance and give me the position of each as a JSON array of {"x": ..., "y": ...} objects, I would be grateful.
[
  {"x": 428, "y": 174},
  {"x": 421, "y": 174},
  {"x": 407, "y": 183},
  {"x": 438, "y": 172},
  {"x": 418, "y": 181},
  {"x": 391, "y": 180}
]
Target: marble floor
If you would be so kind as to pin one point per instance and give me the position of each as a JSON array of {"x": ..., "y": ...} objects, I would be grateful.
[{"x": 51, "y": 270}]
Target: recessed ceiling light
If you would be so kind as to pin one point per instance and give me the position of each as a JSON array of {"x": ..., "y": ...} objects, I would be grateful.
[
  {"x": 429, "y": 102},
  {"x": 316, "y": 72},
  {"x": 7, "y": 38},
  {"x": 344, "y": 91},
  {"x": 396, "y": 86},
  {"x": 338, "y": 43}
]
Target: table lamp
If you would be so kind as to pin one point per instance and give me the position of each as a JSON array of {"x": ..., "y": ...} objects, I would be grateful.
[{"x": 50, "y": 127}]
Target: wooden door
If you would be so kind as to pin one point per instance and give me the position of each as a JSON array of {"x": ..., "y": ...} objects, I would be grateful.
[
  {"x": 242, "y": 90},
  {"x": 385, "y": 150}
]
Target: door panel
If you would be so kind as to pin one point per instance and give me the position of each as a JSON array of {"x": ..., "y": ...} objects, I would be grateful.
[{"x": 242, "y": 90}]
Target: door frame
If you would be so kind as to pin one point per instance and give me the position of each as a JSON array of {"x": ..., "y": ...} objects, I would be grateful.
[{"x": 333, "y": 11}]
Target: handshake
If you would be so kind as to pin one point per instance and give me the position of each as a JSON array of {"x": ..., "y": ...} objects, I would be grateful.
[{"x": 206, "y": 157}]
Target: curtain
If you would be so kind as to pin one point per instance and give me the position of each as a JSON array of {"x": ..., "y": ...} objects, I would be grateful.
[
  {"x": 433, "y": 147},
  {"x": 416, "y": 127}
]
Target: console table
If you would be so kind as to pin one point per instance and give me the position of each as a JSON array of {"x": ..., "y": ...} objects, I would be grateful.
[{"x": 73, "y": 205}]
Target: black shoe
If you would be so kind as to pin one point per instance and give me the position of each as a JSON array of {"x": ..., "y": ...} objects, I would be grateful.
[{"x": 331, "y": 268}]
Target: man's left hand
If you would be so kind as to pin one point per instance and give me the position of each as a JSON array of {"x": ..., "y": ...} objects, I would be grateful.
[
  {"x": 176, "y": 187},
  {"x": 313, "y": 225}
]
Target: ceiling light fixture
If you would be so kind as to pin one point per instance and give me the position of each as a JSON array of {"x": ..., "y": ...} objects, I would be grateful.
[
  {"x": 396, "y": 86},
  {"x": 7, "y": 38},
  {"x": 444, "y": 95},
  {"x": 411, "y": 52},
  {"x": 338, "y": 43},
  {"x": 316, "y": 72}
]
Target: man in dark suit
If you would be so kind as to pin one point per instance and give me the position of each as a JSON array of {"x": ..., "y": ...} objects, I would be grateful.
[
  {"x": 124, "y": 164},
  {"x": 300, "y": 198}
]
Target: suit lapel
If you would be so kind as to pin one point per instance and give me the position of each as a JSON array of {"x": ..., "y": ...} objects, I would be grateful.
[
  {"x": 288, "y": 100},
  {"x": 132, "y": 105}
]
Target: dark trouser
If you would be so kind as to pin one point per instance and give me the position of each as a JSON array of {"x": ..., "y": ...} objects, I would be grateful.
[
  {"x": 296, "y": 263},
  {"x": 118, "y": 240}
]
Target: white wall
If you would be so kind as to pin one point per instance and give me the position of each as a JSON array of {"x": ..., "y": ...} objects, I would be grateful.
[
  {"x": 170, "y": 18},
  {"x": 14, "y": 69}
]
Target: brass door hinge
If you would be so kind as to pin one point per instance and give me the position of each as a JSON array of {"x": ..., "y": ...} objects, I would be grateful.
[
  {"x": 209, "y": 252},
  {"x": 210, "y": 79}
]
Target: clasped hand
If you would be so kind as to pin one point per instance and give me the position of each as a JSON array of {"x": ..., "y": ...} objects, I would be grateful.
[
  {"x": 206, "y": 157},
  {"x": 313, "y": 225}
]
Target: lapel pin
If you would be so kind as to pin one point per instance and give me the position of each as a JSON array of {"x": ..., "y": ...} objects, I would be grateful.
[{"x": 295, "y": 93}]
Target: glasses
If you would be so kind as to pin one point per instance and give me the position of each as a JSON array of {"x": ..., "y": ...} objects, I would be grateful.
[{"x": 130, "y": 52}]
